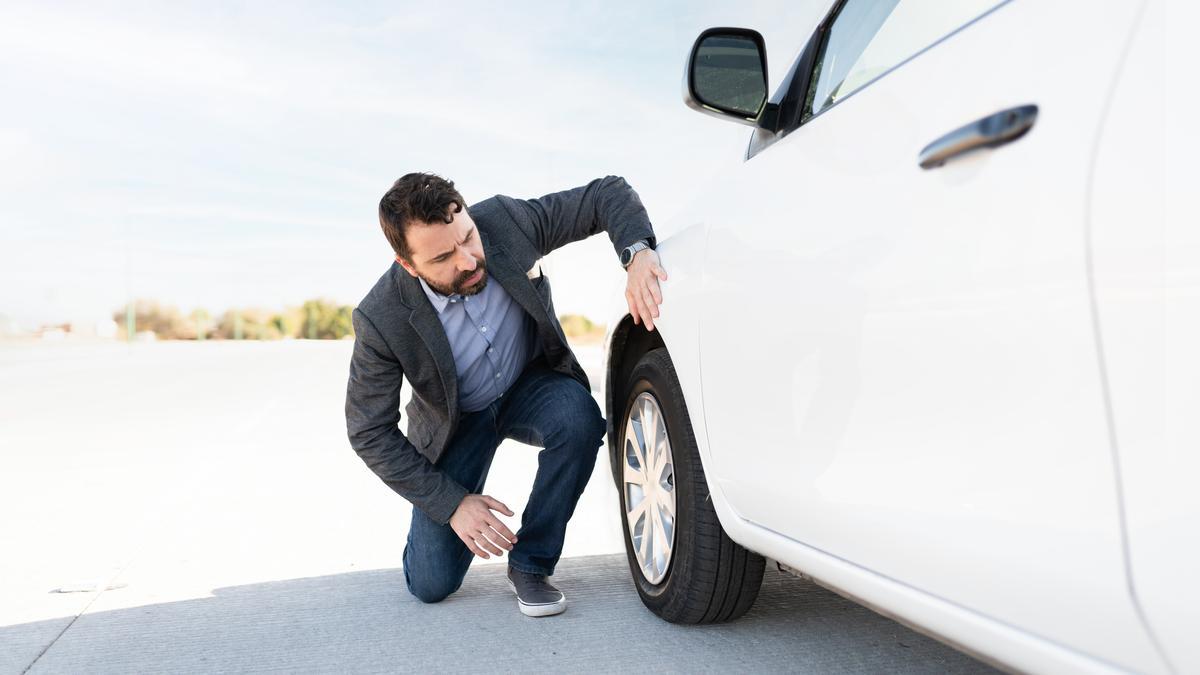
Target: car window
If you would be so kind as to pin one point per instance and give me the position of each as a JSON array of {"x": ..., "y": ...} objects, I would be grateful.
[{"x": 869, "y": 37}]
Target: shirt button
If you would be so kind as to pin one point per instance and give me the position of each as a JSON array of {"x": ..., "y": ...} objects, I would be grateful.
[
  {"x": 484, "y": 329},
  {"x": 491, "y": 350},
  {"x": 497, "y": 376}
]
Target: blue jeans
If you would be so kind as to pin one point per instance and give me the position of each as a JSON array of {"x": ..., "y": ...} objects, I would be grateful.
[{"x": 543, "y": 408}]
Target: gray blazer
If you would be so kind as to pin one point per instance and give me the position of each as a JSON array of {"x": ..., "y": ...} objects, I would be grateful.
[{"x": 398, "y": 333}]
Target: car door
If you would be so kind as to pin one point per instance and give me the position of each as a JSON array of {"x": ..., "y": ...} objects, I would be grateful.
[
  {"x": 1146, "y": 267},
  {"x": 900, "y": 365}
]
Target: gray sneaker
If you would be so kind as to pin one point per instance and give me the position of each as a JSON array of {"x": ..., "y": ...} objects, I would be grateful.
[{"x": 535, "y": 595}]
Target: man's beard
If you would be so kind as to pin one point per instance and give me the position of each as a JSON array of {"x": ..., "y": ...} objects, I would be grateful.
[{"x": 459, "y": 286}]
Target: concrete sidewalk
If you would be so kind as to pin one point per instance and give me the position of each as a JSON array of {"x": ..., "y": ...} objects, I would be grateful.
[
  {"x": 366, "y": 622},
  {"x": 212, "y": 486}
]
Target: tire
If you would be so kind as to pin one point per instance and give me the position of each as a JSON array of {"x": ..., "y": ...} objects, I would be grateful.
[{"x": 704, "y": 577}]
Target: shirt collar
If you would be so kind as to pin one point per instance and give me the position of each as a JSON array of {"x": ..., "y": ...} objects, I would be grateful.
[{"x": 439, "y": 301}]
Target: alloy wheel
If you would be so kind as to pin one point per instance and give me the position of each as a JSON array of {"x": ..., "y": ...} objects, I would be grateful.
[{"x": 649, "y": 486}]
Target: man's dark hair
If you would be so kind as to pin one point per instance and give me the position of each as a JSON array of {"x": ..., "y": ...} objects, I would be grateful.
[{"x": 416, "y": 198}]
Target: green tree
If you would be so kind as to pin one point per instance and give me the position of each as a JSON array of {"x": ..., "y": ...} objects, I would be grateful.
[
  {"x": 256, "y": 324},
  {"x": 288, "y": 323},
  {"x": 166, "y": 321},
  {"x": 316, "y": 319},
  {"x": 577, "y": 326},
  {"x": 324, "y": 320},
  {"x": 201, "y": 323}
]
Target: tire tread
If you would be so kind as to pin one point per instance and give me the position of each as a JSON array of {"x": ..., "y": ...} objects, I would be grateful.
[{"x": 712, "y": 579}]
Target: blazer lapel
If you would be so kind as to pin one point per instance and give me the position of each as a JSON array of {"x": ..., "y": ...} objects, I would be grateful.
[
  {"x": 424, "y": 320},
  {"x": 510, "y": 275}
]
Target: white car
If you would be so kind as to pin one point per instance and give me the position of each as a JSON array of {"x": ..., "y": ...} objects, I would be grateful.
[{"x": 933, "y": 343}]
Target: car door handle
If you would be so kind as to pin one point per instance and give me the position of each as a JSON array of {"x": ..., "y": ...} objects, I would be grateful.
[{"x": 987, "y": 132}]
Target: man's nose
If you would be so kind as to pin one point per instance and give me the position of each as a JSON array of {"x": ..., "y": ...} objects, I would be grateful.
[{"x": 466, "y": 261}]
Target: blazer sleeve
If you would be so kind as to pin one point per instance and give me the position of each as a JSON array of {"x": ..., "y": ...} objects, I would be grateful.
[
  {"x": 606, "y": 204},
  {"x": 373, "y": 425}
]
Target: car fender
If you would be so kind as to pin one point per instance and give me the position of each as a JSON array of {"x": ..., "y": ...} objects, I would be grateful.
[{"x": 682, "y": 255}]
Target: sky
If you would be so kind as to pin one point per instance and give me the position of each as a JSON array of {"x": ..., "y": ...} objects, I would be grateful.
[{"x": 223, "y": 155}]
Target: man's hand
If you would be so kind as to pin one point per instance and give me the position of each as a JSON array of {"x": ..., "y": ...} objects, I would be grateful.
[
  {"x": 481, "y": 531},
  {"x": 641, "y": 286}
]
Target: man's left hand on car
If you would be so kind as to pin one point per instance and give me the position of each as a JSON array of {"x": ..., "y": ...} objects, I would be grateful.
[{"x": 641, "y": 286}]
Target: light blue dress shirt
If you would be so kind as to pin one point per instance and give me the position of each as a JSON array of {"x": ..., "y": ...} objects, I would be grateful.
[{"x": 492, "y": 339}]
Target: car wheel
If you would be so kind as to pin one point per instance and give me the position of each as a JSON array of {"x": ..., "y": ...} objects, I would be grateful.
[{"x": 686, "y": 568}]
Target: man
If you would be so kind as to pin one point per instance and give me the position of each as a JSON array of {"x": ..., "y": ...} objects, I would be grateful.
[{"x": 466, "y": 316}]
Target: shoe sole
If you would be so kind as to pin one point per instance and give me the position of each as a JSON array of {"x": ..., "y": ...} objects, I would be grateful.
[{"x": 545, "y": 609}]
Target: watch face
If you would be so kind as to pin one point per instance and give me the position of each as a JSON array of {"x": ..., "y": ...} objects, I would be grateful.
[{"x": 626, "y": 257}]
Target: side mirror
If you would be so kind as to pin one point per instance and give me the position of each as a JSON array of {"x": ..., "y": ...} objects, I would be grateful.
[{"x": 726, "y": 75}]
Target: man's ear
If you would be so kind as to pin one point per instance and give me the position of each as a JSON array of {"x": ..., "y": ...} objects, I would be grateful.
[{"x": 406, "y": 265}]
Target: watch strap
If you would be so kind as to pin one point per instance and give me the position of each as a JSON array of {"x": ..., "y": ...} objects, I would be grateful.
[{"x": 632, "y": 250}]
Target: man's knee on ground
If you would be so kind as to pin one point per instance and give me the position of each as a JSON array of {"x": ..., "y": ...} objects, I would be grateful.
[{"x": 431, "y": 591}]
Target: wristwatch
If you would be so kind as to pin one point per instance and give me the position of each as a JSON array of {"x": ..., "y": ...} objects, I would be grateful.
[{"x": 631, "y": 250}]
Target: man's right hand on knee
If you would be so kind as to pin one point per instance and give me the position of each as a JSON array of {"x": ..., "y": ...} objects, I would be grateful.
[{"x": 479, "y": 529}]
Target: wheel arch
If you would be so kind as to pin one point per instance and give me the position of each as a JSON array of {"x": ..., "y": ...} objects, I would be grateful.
[{"x": 629, "y": 343}]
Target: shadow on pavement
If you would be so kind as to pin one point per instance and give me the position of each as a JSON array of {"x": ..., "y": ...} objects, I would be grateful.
[{"x": 367, "y": 622}]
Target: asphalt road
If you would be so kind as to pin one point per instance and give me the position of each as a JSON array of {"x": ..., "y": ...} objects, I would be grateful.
[{"x": 201, "y": 508}]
